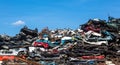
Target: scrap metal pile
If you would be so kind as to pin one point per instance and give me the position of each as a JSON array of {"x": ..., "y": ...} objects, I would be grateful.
[{"x": 95, "y": 41}]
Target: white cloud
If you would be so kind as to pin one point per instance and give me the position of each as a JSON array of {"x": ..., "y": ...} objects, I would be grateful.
[{"x": 18, "y": 23}]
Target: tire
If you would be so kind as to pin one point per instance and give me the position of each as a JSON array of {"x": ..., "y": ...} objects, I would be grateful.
[
  {"x": 21, "y": 53},
  {"x": 103, "y": 44}
]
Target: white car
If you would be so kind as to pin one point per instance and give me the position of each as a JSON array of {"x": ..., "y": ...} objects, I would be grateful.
[
  {"x": 14, "y": 52},
  {"x": 97, "y": 42}
]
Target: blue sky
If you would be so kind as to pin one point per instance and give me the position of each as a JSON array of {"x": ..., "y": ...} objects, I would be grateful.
[{"x": 14, "y": 14}]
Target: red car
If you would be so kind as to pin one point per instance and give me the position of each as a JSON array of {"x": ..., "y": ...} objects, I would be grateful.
[
  {"x": 41, "y": 44},
  {"x": 7, "y": 57},
  {"x": 100, "y": 57}
]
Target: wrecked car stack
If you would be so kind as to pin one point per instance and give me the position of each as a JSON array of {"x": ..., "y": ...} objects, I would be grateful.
[{"x": 94, "y": 42}]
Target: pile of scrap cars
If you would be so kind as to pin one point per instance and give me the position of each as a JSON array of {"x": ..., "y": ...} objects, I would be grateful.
[{"x": 93, "y": 42}]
